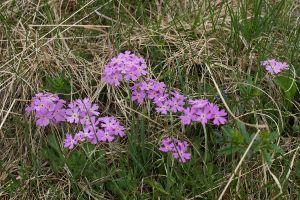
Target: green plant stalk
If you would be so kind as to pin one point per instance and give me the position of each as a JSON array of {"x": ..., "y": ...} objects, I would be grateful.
[
  {"x": 206, "y": 144},
  {"x": 142, "y": 144},
  {"x": 169, "y": 159}
]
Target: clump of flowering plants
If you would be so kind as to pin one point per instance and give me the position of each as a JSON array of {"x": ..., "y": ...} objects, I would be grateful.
[
  {"x": 176, "y": 147},
  {"x": 126, "y": 66},
  {"x": 49, "y": 108},
  {"x": 167, "y": 102},
  {"x": 274, "y": 67},
  {"x": 198, "y": 110},
  {"x": 283, "y": 77},
  {"x": 131, "y": 68}
]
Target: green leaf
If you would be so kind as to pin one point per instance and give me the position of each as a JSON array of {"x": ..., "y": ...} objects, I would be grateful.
[
  {"x": 287, "y": 84},
  {"x": 53, "y": 154},
  {"x": 11, "y": 185},
  {"x": 156, "y": 186},
  {"x": 277, "y": 149},
  {"x": 229, "y": 149},
  {"x": 227, "y": 130},
  {"x": 59, "y": 84},
  {"x": 243, "y": 131},
  {"x": 76, "y": 162},
  {"x": 265, "y": 137},
  {"x": 237, "y": 137},
  {"x": 273, "y": 136},
  {"x": 267, "y": 157},
  {"x": 244, "y": 90}
]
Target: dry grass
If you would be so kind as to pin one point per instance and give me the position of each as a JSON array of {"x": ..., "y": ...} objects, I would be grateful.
[{"x": 207, "y": 57}]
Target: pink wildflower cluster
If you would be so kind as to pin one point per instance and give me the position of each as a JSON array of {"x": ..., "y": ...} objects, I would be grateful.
[
  {"x": 158, "y": 94},
  {"x": 199, "y": 110},
  {"x": 48, "y": 108},
  {"x": 176, "y": 147},
  {"x": 126, "y": 66},
  {"x": 274, "y": 67},
  {"x": 130, "y": 67},
  {"x": 81, "y": 112},
  {"x": 102, "y": 129}
]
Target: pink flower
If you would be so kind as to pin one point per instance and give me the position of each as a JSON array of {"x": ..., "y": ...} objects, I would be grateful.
[
  {"x": 94, "y": 138},
  {"x": 70, "y": 142},
  {"x": 176, "y": 105},
  {"x": 87, "y": 134},
  {"x": 79, "y": 137},
  {"x": 167, "y": 145},
  {"x": 182, "y": 156},
  {"x": 59, "y": 113},
  {"x": 179, "y": 97},
  {"x": 43, "y": 118},
  {"x": 219, "y": 117},
  {"x": 40, "y": 104},
  {"x": 131, "y": 75},
  {"x": 177, "y": 147},
  {"x": 104, "y": 136},
  {"x": 108, "y": 123},
  {"x": 146, "y": 86},
  {"x": 138, "y": 96},
  {"x": 159, "y": 87},
  {"x": 87, "y": 107},
  {"x": 274, "y": 67},
  {"x": 152, "y": 94},
  {"x": 48, "y": 108},
  {"x": 162, "y": 108},
  {"x": 199, "y": 103},
  {"x": 203, "y": 115},
  {"x": 160, "y": 98},
  {"x": 93, "y": 122},
  {"x": 188, "y": 116},
  {"x": 113, "y": 79},
  {"x": 29, "y": 108},
  {"x": 72, "y": 115},
  {"x": 124, "y": 66},
  {"x": 119, "y": 130},
  {"x": 180, "y": 152},
  {"x": 140, "y": 70}
]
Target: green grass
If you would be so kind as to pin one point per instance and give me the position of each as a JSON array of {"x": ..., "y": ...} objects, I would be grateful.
[{"x": 199, "y": 47}]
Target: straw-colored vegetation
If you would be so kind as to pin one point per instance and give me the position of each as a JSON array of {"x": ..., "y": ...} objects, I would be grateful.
[{"x": 206, "y": 48}]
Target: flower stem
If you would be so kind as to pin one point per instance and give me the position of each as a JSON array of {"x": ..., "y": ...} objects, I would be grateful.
[{"x": 206, "y": 144}]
